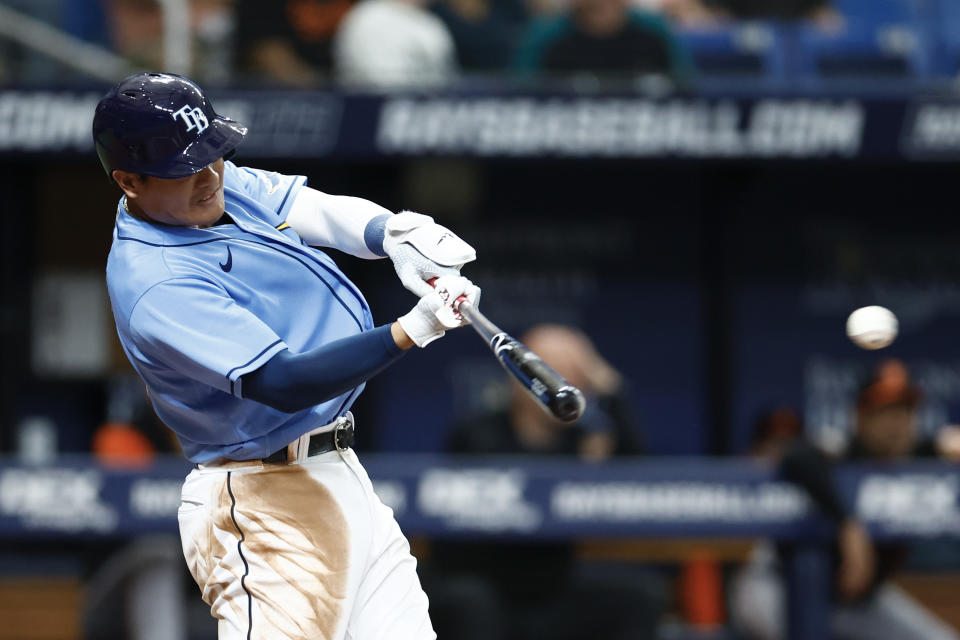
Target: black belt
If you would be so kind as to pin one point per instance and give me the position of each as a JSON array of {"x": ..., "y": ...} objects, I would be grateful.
[{"x": 340, "y": 438}]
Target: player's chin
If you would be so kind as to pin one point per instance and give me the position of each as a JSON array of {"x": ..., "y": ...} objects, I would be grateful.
[{"x": 210, "y": 206}]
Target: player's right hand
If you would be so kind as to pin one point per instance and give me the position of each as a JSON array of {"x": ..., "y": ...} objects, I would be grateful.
[{"x": 436, "y": 311}]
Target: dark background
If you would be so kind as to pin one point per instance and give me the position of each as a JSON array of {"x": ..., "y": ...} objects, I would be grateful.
[{"x": 719, "y": 289}]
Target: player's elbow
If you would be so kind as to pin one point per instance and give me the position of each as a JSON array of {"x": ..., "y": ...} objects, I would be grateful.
[
  {"x": 269, "y": 385},
  {"x": 274, "y": 400},
  {"x": 282, "y": 384},
  {"x": 254, "y": 389}
]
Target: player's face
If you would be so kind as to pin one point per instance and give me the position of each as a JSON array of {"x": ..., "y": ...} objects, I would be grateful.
[{"x": 194, "y": 201}]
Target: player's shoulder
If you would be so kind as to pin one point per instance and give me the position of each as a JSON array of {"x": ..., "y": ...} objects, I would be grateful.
[
  {"x": 132, "y": 269},
  {"x": 250, "y": 179},
  {"x": 259, "y": 191},
  {"x": 143, "y": 255},
  {"x": 135, "y": 243},
  {"x": 128, "y": 286}
]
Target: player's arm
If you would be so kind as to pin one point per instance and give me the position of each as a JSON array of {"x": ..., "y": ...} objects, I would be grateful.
[
  {"x": 809, "y": 468},
  {"x": 320, "y": 219},
  {"x": 805, "y": 465},
  {"x": 352, "y": 225},
  {"x": 294, "y": 381},
  {"x": 419, "y": 248}
]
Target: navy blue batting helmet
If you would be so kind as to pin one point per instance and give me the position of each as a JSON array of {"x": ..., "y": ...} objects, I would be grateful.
[{"x": 161, "y": 124}]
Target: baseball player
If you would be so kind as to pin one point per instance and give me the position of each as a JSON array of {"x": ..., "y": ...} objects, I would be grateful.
[{"x": 253, "y": 345}]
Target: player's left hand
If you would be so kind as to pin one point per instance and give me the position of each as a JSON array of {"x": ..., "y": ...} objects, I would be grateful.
[
  {"x": 450, "y": 289},
  {"x": 421, "y": 249},
  {"x": 436, "y": 312}
]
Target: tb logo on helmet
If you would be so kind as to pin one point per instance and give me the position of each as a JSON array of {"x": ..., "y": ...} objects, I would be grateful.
[{"x": 193, "y": 117}]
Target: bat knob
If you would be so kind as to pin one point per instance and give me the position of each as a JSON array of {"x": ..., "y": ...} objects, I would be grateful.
[{"x": 567, "y": 403}]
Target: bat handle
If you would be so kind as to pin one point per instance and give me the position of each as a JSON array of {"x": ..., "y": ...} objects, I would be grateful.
[
  {"x": 460, "y": 300},
  {"x": 555, "y": 395},
  {"x": 487, "y": 330},
  {"x": 458, "y": 303}
]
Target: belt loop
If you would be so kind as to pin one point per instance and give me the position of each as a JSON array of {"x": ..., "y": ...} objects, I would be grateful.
[{"x": 303, "y": 449}]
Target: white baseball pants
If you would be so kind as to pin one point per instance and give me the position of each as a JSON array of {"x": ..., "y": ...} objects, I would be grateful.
[{"x": 300, "y": 551}]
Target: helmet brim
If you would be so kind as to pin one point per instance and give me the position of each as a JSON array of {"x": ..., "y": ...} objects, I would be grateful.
[{"x": 222, "y": 137}]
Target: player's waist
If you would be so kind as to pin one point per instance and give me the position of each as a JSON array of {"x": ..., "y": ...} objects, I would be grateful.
[{"x": 335, "y": 436}]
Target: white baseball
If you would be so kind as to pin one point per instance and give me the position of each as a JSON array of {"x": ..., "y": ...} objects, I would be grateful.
[{"x": 872, "y": 327}]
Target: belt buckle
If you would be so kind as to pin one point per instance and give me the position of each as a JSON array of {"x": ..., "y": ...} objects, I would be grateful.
[{"x": 343, "y": 434}]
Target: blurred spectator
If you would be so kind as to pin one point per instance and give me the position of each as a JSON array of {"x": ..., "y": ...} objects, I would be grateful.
[
  {"x": 136, "y": 30},
  {"x": 605, "y": 38},
  {"x": 774, "y": 432},
  {"x": 538, "y": 589},
  {"x": 867, "y": 605},
  {"x": 132, "y": 434},
  {"x": 605, "y": 429},
  {"x": 119, "y": 444},
  {"x": 689, "y": 13},
  {"x": 25, "y": 64},
  {"x": 289, "y": 42},
  {"x": 817, "y": 10},
  {"x": 87, "y": 20},
  {"x": 485, "y": 32},
  {"x": 213, "y": 24},
  {"x": 393, "y": 43}
]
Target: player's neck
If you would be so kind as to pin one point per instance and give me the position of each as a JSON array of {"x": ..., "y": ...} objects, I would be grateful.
[{"x": 134, "y": 210}]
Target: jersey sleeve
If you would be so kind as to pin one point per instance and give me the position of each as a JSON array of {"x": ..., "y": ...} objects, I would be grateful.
[
  {"x": 273, "y": 190},
  {"x": 193, "y": 327},
  {"x": 353, "y": 225}
]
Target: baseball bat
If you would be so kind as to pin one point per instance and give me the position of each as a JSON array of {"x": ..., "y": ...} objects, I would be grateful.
[{"x": 551, "y": 391}]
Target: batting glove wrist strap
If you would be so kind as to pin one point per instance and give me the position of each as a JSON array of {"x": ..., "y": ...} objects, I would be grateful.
[
  {"x": 421, "y": 324},
  {"x": 420, "y": 250}
]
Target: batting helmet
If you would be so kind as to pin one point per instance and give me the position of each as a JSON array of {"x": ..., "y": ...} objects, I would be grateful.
[{"x": 161, "y": 124}]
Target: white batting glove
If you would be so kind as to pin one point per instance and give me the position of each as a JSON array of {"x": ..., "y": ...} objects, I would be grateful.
[
  {"x": 436, "y": 312},
  {"x": 421, "y": 249},
  {"x": 451, "y": 289}
]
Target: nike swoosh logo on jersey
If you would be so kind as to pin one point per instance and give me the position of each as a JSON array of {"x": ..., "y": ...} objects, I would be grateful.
[
  {"x": 229, "y": 265},
  {"x": 444, "y": 237}
]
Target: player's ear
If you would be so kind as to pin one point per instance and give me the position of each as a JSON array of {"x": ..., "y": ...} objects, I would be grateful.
[{"x": 131, "y": 183}]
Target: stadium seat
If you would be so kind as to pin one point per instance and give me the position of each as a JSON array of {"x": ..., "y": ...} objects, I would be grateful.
[
  {"x": 886, "y": 38},
  {"x": 749, "y": 49}
]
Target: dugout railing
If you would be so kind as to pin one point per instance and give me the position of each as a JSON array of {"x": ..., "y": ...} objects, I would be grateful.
[{"x": 437, "y": 497}]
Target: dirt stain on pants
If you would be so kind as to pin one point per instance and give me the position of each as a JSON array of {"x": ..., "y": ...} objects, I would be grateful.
[{"x": 274, "y": 556}]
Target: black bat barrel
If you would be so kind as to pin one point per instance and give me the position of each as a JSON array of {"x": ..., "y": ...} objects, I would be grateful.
[
  {"x": 558, "y": 397},
  {"x": 563, "y": 400}
]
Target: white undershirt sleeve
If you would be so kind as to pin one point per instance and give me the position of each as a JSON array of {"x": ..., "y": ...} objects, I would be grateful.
[{"x": 340, "y": 222}]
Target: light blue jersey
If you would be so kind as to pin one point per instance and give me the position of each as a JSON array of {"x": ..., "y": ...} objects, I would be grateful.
[{"x": 196, "y": 309}]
